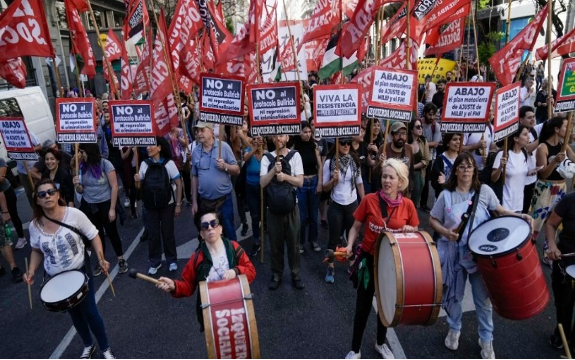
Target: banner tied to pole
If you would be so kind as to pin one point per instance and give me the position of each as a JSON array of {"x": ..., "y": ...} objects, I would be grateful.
[
  {"x": 506, "y": 119},
  {"x": 337, "y": 110},
  {"x": 566, "y": 90},
  {"x": 133, "y": 123},
  {"x": 76, "y": 120},
  {"x": 221, "y": 99},
  {"x": 392, "y": 94},
  {"x": 274, "y": 109},
  {"x": 17, "y": 139},
  {"x": 466, "y": 107}
]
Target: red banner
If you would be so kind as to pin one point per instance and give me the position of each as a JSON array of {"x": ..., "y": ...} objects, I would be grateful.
[
  {"x": 425, "y": 18},
  {"x": 314, "y": 51},
  {"x": 190, "y": 64},
  {"x": 505, "y": 63},
  {"x": 80, "y": 43},
  {"x": 80, "y": 5},
  {"x": 287, "y": 57},
  {"x": 269, "y": 32},
  {"x": 166, "y": 114},
  {"x": 127, "y": 78},
  {"x": 364, "y": 79},
  {"x": 323, "y": 19},
  {"x": 451, "y": 38},
  {"x": 395, "y": 26},
  {"x": 112, "y": 48},
  {"x": 397, "y": 59},
  {"x": 142, "y": 78},
  {"x": 160, "y": 82},
  {"x": 24, "y": 32},
  {"x": 560, "y": 46},
  {"x": 136, "y": 18},
  {"x": 14, "y": 71},
  {"x": 185, "y": 25}
]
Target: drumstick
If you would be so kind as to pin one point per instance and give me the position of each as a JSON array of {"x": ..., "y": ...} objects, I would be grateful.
[
  {"x": 568, "y": 255},
  {"x": 564, "y": 340},
  {"x": 107, "y": 275},
  {"x": 135, "y": 274},
  {"x": 29, "y": 286}
]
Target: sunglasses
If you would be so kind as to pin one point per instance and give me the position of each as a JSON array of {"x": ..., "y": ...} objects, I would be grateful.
[
  {"x": 418, "y": 127},
  {"x": 213, "y": 223},
  {"x": 345, "y": 143},
  {"x": 43, "y": 194}
]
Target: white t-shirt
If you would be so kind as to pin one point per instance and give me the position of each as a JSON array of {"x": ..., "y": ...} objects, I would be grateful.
[
  {"x": 515, "y": 179},
  {"x": 173, "y": 173},
  {"x": 220, "y": 265},
  {"x": 532, "y": 159},
  {"x": 430, "y": 92},
  {"x": 63, "y": 250},
  {"x": 526, "y": 99},
  {"x": 295, "y": 164},
  {"x": 474, "y": 138},
  {"x": 342, "y": 192}
]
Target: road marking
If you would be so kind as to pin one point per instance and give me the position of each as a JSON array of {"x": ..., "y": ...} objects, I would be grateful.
[
  {"x": 392, "y": 339},
  {"x": 72, "y": 332}
]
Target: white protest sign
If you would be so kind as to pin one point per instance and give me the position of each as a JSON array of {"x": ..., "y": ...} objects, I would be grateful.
[
  {"x": 221, "y": 99},
  {"x": 466, "y": 107},
  {"x": 506, "y": 119},
  {"x": 16, "y": 139},
  {"x": 75, "y": 120},
  {"x": 392, "y": 94},
  {"x": 336, "y": 110},
  {"x": 132, "y": 123}
]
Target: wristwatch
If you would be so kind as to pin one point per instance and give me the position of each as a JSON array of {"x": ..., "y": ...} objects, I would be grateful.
[{"x": 226, "y": 167}]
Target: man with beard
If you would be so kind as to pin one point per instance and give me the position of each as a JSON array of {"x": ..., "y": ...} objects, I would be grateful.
[
  {"x": 440, "y": 94},
  {"x": 398, "y": 147},
  {"x": 283, "y": 227}
]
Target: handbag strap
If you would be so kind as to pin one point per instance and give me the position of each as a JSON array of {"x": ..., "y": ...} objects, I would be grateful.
[
  {"x": 74, "y": 229},
  {"x": 469, "y": 215}
]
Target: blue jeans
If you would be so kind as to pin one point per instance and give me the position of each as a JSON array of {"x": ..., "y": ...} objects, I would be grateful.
[
  {"x": 227, "y": 213},
  {"x": 85, "y": 317},
  {"x": 483, "y": 309},
  {"x": 308, "y": 203},
  {"x": 253, "y": 199}
]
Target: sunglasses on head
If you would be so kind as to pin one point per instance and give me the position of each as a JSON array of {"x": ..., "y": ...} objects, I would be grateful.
[
  {"x": 43, "y": 194},
  {"x": 345, "y": 143},
  {"x": 213, "y": 223}
]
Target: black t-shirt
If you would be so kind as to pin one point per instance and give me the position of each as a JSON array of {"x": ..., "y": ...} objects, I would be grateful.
[
  {"x": 306, "y": 150},
  {"x": 566, "y": 210}
]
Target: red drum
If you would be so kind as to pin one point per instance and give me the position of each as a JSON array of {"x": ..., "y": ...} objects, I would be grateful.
[
  {"x": 229, "y": 319},
  {"x": 509, "y": 265},
  {"x": 408, "y": 279}
]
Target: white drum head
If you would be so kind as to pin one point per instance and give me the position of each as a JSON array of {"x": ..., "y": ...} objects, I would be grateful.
[
  {"x": 387, "y": 280},
  {"x": 62, "y": 286},
  {"x": 498, "y": 236},
  {"x": 570, "y": 271}
]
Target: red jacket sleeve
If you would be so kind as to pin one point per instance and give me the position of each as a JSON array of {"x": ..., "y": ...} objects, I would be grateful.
[
  {"x": 245, "y": 266},
  {"x": 186, "y": 286}
]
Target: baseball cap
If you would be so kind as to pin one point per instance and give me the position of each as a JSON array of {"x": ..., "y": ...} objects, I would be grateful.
[
  {"x": 397, "y": 126},
  {"x": 201, "y": 125}
]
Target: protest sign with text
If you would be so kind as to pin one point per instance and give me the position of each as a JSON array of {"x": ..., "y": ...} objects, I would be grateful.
[
  {"x": 336, "y": 110},
  {"x": 392, "y": 94},
  {"x": 221, "y": 99},
  {"x": 274, "y": 109},
  {"x": 133, "y": 123},
  {"x": 506, "y": 119},
  {"x": 466, "y": 107},
  {"x": 566, "y": 92},
  {"x": 16, "y": 139},
  {"x": 75, "y": 120}
]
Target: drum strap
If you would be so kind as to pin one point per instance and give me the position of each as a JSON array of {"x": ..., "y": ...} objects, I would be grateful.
[{"x": 468, "y": 217}]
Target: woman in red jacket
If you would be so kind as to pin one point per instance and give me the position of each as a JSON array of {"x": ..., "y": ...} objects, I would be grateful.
[{"x": 216, "y": 258}]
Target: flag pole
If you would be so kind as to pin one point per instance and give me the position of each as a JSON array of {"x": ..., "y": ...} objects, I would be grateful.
[
  {"x": 549, "y": 50},
  {"x": 262, "y": 208},
  {"x": 507, "y": 32},
  {"x": 57, "y": 73},
  {"x": 107, "y": 63}
]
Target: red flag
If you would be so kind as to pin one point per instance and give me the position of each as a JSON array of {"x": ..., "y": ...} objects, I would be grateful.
[
  {"x": 364, "y": 79},
  {"x": 269, "y": 32},
  {"x": 127, "y": 78},
  {"x": 107, "y": 77},
  {"x": 349, "y": 7},
  {"x": 166, "y": 114},
  {"x": 160, "y": 82},
  {"x": 14, "y": 71},
  {"x": 142, "y": 78},
  {"x": 363, "y": 49},
  {"x": 395, "y": 26},
  {"x": 506, "y": 61},
  {"x": 314, "y": 51},
  {"x": 432, "y": 35},
  {"x": 190, "y": 64},
  {"x": 357, "y": 27},
  {"x": 136, "y": 19},
  {"x": 250, "y": 68},
  {"x": 80, "y": 5},
  {"x": 451, "y": 38},
  {"x": 246, "y": 38},
  {"x": 112, "y": 48},
  {"x": 426, "y": 16},
  {"x": 287, "y": 56},
  {"x": 186, "y": 23},
  {"x": 24, "y": 32},
  {"x": 208, "y": 59},
  {"x": 324, "y": 18},
  {"x": 80, "y": 43},
  {"x": 560, "y": 46},
  {"x": 397, "y": 59}
]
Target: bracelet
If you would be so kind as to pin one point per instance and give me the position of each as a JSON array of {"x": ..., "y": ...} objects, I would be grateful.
[
  {"x": 178, "y": 204},
  {"x": 5, "y": 212}
]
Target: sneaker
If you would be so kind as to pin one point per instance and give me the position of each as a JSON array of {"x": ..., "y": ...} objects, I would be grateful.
[
  {"x": 173, "y": 267},
  {"x": 298, "y": 284},
  {"x": 153, "y": 270},
  {"x": 21, "y": 243},
  {"x": 274, "y": 284},
  {"x": 546, "y": 260},
  {"x": 487, "y": 350},
  {"x": 255, "y": 249},
  {"x": 452, "y": 340},
  {"x": 330, "y": 275},
  {"x": 16, "y": 275},
  {"x": 245, "y": 229},
  {"x": 88, "y": 351},
  {"x": 555, "y": 341},
  {"x": 126, "y": 202},
  {"x": 353, "y": 355},
  {"x": 324, "y": 224},
  {"x": 97, "y": 270},
  {"x": 108, "y": 354},
  {"x": 315, "y": 246},
  {"x": 123, "y": 264},
  {"x": 301, "y": 249},
  {"x": 384, "y": 351}
]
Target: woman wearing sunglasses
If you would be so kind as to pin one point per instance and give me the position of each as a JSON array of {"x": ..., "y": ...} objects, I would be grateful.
[
  {"x": 215, "y": 259},
  {"x": 56, "y": 173},
  {"x": 341, "y": 176},
  {"x": 456, "y": 259},
  {"x": 62, "y": 249},
  {"x": 400, "y": 215},
  {"x": 421, "y": 157}
]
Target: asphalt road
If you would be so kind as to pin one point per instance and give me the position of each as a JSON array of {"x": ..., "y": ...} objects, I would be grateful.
[{"x": 143, "y": 322}]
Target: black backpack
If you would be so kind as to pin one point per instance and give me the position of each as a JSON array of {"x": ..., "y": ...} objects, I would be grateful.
[
  {"x": 156, "y": 187},
  {"x": 280, "y": 196}
]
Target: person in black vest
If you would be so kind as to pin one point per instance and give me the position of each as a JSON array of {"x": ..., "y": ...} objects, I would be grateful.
[
  {"x": 278, "y": 177},
  {"x": 158, "y": 175}
]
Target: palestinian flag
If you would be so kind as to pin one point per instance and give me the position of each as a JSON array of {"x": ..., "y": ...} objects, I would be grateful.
[{"x": 333, "y": 63}]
